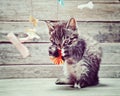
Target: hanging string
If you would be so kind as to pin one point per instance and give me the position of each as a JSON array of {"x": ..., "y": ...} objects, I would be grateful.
[
  {"x": 61, "y": 2},
  {"x": 31, "y": 11}
]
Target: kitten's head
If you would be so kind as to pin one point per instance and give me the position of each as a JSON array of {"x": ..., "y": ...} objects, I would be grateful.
[{"x": 62, "y": 34}]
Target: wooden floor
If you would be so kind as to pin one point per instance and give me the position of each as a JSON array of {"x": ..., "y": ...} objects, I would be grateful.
[{"x": 47, "y": 87}]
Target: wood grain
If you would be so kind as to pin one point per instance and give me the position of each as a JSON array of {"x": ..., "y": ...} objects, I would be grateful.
[
  {"x": 45, "y": 9},
  {"x": 15, "y": 10},
  {"x": 104, "y": 10},
  {"x": 100, "y": 12},
  {"x": 21, "y": 10},
  {"x": 96, "y": 1},
  {"x": 102, "y": 23},
  {"x": 101, "y": 31},
  {"x": 47, "y": 87},
  {"x": 39, "y": 54},
  {"x": 49, "y": 71},
  {"x": 19, "y": 28}
]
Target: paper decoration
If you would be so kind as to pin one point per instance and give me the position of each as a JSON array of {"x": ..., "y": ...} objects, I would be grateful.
[
  {"x": 33, "y": 20},
  {"x": 89, "y": 5},
  {"x": 17, "y": 42},
  {"x": 61, "y": 2},
  {"x": 19, "y": 46},
  {"x": 32, "y": 33}
]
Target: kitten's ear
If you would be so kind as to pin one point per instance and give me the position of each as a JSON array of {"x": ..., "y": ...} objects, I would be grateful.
[
  {"x": 72, "y": 24},
  {"x": 50, "y": 26}
]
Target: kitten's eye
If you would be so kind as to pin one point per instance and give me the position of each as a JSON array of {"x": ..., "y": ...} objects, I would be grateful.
[{"x": 66, "y": 41}]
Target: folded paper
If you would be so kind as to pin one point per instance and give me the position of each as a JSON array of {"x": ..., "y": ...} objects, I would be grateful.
[
  {"x": 19, "y": 46},
  {"x": 89, "y": 5}
]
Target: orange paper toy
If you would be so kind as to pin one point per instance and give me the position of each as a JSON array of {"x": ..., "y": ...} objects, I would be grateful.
[{"x": 57, "y": 60}]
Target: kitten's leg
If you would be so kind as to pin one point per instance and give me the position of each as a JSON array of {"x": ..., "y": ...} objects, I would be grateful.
[
  {"x": 53, "y": 51},
  {"x": 80, "y": 83},
  {"x": 68, "y": 79},
  {"x": 88, "y": 77},
  {"x": 64, "y": 81}
]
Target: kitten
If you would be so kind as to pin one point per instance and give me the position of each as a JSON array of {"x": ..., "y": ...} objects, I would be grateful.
[{"x": 82, "y": 55}]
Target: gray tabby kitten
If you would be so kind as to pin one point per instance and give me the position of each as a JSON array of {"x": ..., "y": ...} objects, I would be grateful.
[{"x": 82, "y": 55}]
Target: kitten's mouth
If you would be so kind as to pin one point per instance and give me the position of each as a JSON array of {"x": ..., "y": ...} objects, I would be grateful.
[{"x": 59, "y": 47}]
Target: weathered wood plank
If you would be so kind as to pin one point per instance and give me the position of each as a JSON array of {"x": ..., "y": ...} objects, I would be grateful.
[
  {"x": 100, "y": 12},
  {"x": 45, "y": 9},
  {"x": 49, "y": 71},
  {"x": 47, "y": 87},
  {"x": 21, "y": 10},
  {"x": 19, "y": 28},
  {"x": 39, "y": 54},
  {"x": 101, "y": 31},
  {"x": 15, "y": 10},
  {"x": 96, "y": 0},
  {"x": 105, "y": 10}
]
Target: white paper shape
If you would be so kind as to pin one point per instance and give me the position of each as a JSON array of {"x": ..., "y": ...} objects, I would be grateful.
[
  {"x": 32, "y": 33},
  {"x": 89, "y": 5},
  {"x": 19, "y": 46}
]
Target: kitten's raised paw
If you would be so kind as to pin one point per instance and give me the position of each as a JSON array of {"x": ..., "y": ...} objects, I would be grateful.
[
  {"x": 53, "y": 51},
  {"x": 66, "y": 52},
  {"x": 63, "y": 81}
]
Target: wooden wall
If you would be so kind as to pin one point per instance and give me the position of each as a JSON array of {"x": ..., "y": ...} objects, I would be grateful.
[{"x": 102, "y": 23}]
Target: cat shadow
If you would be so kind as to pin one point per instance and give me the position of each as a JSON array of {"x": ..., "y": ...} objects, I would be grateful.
[
  {"x": 68, "y": 87},
  {"x": 61, "y": 87},
  {"x": 102, "y": 85}
]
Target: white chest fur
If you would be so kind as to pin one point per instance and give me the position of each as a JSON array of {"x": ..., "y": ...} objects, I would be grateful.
[{"x": 72, "y": 69}]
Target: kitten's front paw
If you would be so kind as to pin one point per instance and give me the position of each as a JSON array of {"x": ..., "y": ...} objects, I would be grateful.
[
  {"x": 63, "y": 81},
  {"x": 53, "y": 51},
  {"x": 77, "y": 86},
  {"x": 65, "y": 52}
]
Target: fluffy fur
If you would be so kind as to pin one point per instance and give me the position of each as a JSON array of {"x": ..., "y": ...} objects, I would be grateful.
[{"x": 82, "y": 55}]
